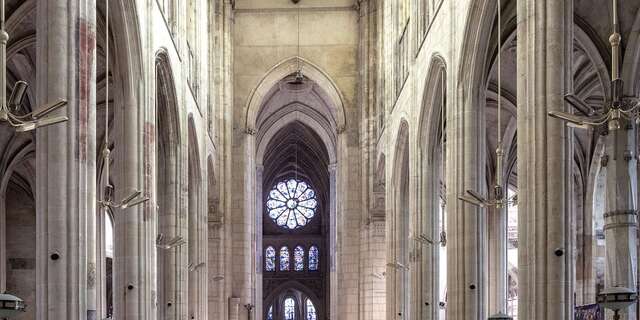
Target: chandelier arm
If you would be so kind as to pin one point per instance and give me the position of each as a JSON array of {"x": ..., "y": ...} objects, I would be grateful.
[
  {"x": 14, "y": 122},
  {"x": 632, "y": 109},
  {"x": 599, "y": 121},
  {"x": 23, "y": 118},
  {"x": 28, "y": 116}
]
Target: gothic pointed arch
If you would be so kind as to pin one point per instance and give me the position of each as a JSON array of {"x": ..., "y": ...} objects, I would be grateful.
[
  {"x": 330, "y": 93},
  {"x": 167, "y": 185},
  {"x": 294, "y": 124},
  {"x": 196, "y": 229},
  {"x": 398, "y": 229},
  {"x": 431, "y": 275}
]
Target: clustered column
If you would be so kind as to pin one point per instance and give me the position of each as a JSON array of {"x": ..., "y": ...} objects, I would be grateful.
[
  {"x": 66, "y": 159},
  {"x": 544, "y": 39}
]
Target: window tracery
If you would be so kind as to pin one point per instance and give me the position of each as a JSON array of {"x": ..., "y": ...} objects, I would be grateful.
[
  {"x": 270, "y": 259},
  {"x": 284, "y": 259},
  {"x": 311, "y": 310},
  {"x": 314, "y": 259},
  {"x": 292, "y": 204},
  {"x": 270, "y": 313},
  {"x": 289, "y": 309},
  {"x": 298, "y": 258}
]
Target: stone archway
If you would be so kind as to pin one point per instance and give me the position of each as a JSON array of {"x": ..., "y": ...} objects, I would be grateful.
[
  {"x": 399, "y": 243},
  {"x": 167, "y": 191},
  {"x": 431, "y": 136},
  {"x": 305, "y": 119}
]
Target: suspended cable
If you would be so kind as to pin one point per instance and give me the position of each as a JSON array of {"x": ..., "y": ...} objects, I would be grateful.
[
  {"x": 106, "y": 118},
  {"x": 135, "y": 198},
  {"x": 470, "y": 195},
  {"x": 499, "y": 76},
  {"x": 442, "y": 128}
]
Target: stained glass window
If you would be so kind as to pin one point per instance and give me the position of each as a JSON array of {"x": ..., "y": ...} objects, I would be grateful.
[
  {"x": 284, "y": 259},
  {"x": 311, "y": 310},
  {"x": 313, "y": 258},
  {"x": 270, "y": 313},
  {"x": 298, "y": 258},
  {"x": 292, "y": 204},
  {"x": 289, "y": 309},
  {"x": 270, "y": 259}
]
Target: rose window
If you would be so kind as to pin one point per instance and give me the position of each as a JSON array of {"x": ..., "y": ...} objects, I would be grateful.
[{"x": 292, "y": 204}]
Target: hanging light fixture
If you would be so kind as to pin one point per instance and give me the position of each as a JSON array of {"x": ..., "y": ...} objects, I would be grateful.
[
  {"x": 499, "y": 198},
  {"x": 10, "y": 110},
  {"x": 107, "y": 201},
  {"x": 618, "y": 109},
  {"x": 616, "y": 299},
  {"x": 168, "y": 244},
  {"x": 299, "y": 77},
  {"x": 10, "y": 305}
]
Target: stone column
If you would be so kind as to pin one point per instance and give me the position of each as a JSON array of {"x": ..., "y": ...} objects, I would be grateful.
[
  {"x": 234, "y": 308},
  {"x": 65, "y": 158},
  {"x": 545, "y": 255},
  {"x": 134, "y": 228},
  {"x": 497, "y": 226},
  {"x": 259, "y": 252},
  {"x": 333, "y": 243},
  {"x": 620, "y": 218},
  {"x": 466, "y": 223}
]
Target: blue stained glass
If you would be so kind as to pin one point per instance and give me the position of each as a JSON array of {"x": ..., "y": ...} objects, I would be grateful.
[
  {"x": 298, "y": 258},
  {"x": 275, "y": 213},
  {"x": 292, "y": 185},
  {"x": 291, "y": 204},
  {"x": 270, "y": 313},
  {"x": 314, "y": 258},
  {"x": 300, "y": 189},
  {"x": 275, "y": 194},
  {"x": 284, "y": 259},
  {"x": 270, "y": 259},
  {"x": 289, "y": 309},
  {"x": 308, "y": 213},
  {"x": 310, "y": 204},
  {"x": 272, "y": 204},
  {"x": 311, "y": 311}
]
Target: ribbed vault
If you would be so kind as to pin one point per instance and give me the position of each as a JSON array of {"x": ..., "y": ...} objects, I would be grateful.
[{"x": 297, "y": 151}]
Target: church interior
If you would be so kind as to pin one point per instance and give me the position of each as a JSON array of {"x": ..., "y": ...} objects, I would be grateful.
[{"x": 319, "y": 159}]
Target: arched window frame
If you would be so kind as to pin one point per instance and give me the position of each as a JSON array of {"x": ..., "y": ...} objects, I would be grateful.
[
  {"x": 317, "y": 256},
  {"x": 307, "y": 314},
  {"x": 292, "y": 211},
  {"x": 298, "y": 260},
  {"x": 267, "y": 258},
  {"x": 270, "y": 313},
  {"x": 284, "y": 264},
  {"x": 284, "y": 308}
]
